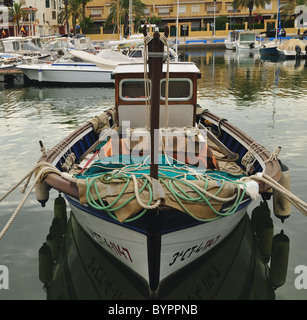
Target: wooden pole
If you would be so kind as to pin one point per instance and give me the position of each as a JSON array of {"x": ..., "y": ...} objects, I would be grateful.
[{"x": 155, "y": 63}]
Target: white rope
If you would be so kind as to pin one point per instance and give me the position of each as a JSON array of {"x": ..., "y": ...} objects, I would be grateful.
[
  {"x": 294, "y": 200},
  {"x": 139, "y": 200},
  {"x": 44, "y": 168}
]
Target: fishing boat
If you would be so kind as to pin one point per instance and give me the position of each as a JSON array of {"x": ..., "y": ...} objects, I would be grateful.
[
  {"x": 213, "y": 277},
  {"x": 292, "y": 49},
  {"x": 247, "y": 41},
  {"x": 157, "y": 181},
  {"x": 70, "y": 70},
  {"x": 230, "y": 41}
]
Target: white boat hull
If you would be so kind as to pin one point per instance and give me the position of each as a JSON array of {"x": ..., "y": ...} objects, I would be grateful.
[
  {"x": 230, "y": 45},
  {"x": 247, "y": 47},
  {"x": 178, "y": 248},
  {"x": 71, "y": 74}
]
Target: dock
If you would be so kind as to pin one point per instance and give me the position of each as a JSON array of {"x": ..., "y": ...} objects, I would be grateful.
[{"x": 8, "y": 75}]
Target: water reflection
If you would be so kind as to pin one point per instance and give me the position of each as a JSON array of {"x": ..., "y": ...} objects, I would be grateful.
[{"x": 236, "y": 269}]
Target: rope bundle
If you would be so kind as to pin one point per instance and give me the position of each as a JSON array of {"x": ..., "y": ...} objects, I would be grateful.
[{"x": 172, "y": 184}]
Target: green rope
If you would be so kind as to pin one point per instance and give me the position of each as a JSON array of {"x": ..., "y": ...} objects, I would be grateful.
[
  {"x": 173, "y": 187},
  {"x": 108, "y": 177}
]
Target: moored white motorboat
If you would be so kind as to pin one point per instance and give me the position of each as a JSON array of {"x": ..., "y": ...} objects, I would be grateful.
[
  {"x": 230, "y": 41},
  {"x": 69, "y": 70},
  {"x": 292, "y": 49},
  {"x": 247, "y": 41}
]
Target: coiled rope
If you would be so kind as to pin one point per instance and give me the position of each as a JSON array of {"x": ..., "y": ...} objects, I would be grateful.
[{"x": 202, "y": 195}]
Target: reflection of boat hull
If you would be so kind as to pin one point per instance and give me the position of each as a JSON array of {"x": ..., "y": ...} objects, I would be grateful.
[
  {"x": 67, "y": 73},
  {"x": 178, "y": 248},
  {"x": 234, "y": 270}
]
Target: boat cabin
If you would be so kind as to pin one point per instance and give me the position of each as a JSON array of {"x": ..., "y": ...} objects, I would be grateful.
[{"x": 130, "y": 97}]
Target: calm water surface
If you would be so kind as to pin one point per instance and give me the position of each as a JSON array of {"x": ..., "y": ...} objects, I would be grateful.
[{"x": 267, "y": 100}]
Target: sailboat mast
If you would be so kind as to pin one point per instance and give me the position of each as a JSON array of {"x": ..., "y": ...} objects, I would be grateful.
[
  {"x": 130, "y": 17},
  {"x": 117, "y": 11},
  {"x": 176, "y": 45}
]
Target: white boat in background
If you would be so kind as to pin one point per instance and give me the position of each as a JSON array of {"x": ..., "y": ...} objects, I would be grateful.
[
  {"x": 70, "y": 70},
  {"x": 230, "y": 41},
  {"x": 248, "y": 40},
  {"x": 22, "y": 46},
  {"x": 270, "y": 48},
  {"x": 292, "y": 49},
  {"x": 133, "y": 48}
]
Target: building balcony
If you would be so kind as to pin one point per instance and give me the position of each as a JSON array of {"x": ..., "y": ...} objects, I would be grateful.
[{"x": 95, "y": 15}]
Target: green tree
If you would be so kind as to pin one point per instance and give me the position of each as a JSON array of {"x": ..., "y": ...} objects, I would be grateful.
[
  {"x": 289, "y": 9},
  {"x": 84, "y": 20},
  {"x": 250, "y": 5},
  {"x": 74, "y": 12},
  {"x": 138, "y": 8},
  {"x": 17, "y": 13},
  {"x": 88, "y": 26}
]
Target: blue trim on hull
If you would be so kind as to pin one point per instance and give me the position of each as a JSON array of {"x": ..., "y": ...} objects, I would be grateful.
[{"x": 173, "y": 220}]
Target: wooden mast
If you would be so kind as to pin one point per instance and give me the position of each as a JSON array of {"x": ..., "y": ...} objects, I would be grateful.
[
  {"x": 155, "y": 63},
  {"x": 153, "y": 218}
]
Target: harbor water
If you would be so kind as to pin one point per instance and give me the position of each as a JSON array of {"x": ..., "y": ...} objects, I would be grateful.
[{"x": 266, "y": 99}]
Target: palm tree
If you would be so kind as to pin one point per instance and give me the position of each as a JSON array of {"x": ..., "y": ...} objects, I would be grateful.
[
  {"x": 73, "y": 12},
  {"x": 83, "y": 4},
  {"x": 138, "y": 8},
  {"x": 289, "y": 9},
  {"x": 250, "y": 5},
  {"x": 17, "y": 13}
]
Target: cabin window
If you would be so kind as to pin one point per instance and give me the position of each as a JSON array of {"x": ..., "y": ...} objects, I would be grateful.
[
  {"x": 132, "y": 89},
  {"x": 247, "y": 37},
  {"x": 16, "y": 46},
  {"x": 178, "y": 89}
]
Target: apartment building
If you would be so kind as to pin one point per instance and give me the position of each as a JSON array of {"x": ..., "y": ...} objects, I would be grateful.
[
  {"x": 42, "y": 17},
  {"x": 198, "y": 13}
]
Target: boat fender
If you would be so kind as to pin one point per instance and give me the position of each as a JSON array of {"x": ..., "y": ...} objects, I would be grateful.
[
  {"x": 42, "y": 192},
  {"x": 263, "y": 227},
  {"x": 40, "y": 75},
  {"x": 45, "y": 263},
  {"x": 60, "y": 211},
  {"x": 281, "y": 206},
  {"x": 251, "y": 188},
  {"x": 279, "y": 260}
]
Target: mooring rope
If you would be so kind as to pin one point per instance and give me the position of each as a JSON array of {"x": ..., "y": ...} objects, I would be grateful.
[
  {"x": 43, "y": 169},
  {"x": 293, "y": 199}
]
